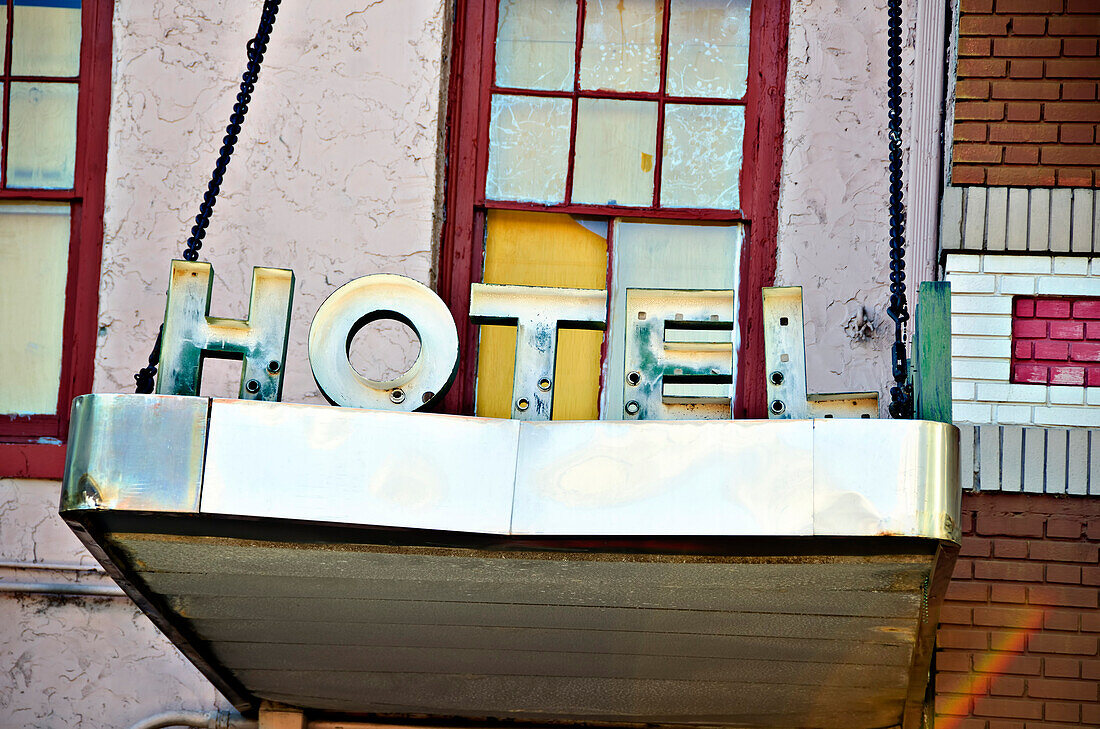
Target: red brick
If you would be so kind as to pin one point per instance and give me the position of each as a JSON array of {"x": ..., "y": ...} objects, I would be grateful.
[
  {"x": 1064, "y": 551},
  {"x": 1062, "y": 667},
  {"x": 984, "y": 25},
  {"x": 1090, "y": 714},
  {"x": 962, "y": 684},
  {"x": 1023, "y": 133},
  {"x": 1029, "y": 6},
  {"x": 1034, "y": 25},
  {"x": 977, "y": 6},
  {"x": 987, "y": 67},
  {"x": 1059, "y": 596},
  {"x": 955, "y": 615},
  {"x": 1090, "y": 670},
  {"x": 1083, "y": 6},
  {"x": 1013, "y": 89},
  {"x": 1072, "y": 133},
  {"x": 1010, "y": 708},
  {"x": 964, "y": 569},
  {"x": 1068, "y": 574},
  {"x": 1066, "y": 375},
  {"x": 1007, "y": 593},
  {"x": 1062, "y": 25},
  {"x": 1087, "y": 309},
  {"x": 1090, "y": 622},
  {"x": 1060, "y": 620},
  {"x": 977, "y": 153},
  {"x": 1053, "y": 308},
  {"x": 1010, "y": 525},
  {"x": 1078, "y": 90},
  {"x": 985, "y": 110},
  {"x": 1042, "y": 688},
  {"x": 1067, "y": 330},
  {"x": 1023, "y": 111},
  {"x": 1028, "y": 47},
  {"x": 1016, "y": 571},
  {"x": 1002, "y": 663},
  {"x": 975, "y": 547},
  {"x": 1045, "y": 349},
  {"x": 1026, "y": 373},
  {"x": 973, "y": 89},
  {"x": 1082, "y": 645},
  {"x": 1068, "y": 111},
  {"x": 953, "y": 705},
  {"x": 1093, "y": 377},
  {"x": 1092, "y": 330},
  {"x": 1085, "y": 352},
  {"x": 1029, "y": 329},
  {"x": 1003, "y": 617},
  {"x": 1030, "y": 176},
  {"x": 1010, "y": 548},
  {"x": 1022, "y": 349},
  {"x": 975, "y": 47},
  {"x": 1055, "y": 711},
  {"x": 1025, "y": 68},
  {"x": 1090, "y": 576},
  {"x": 1004, "y": 686},
  {"x": 974, "y": 131},
  {"x": 953, "y": 661},
  {"x": 965, "y": 175},
  {"x": 1070, "y": 155},
  {"x": 1017, "y": 155},
  {"x": 967, "y": 591},
  {"x": 1025, "y": 307},
  {"x": 1074, "y": 177},
  {"x": 1079, "y": 47},
  {"x": 1005, "y": 724},
  {"x": 967, "y": 526},
  {"x": 965, "y": 639}
]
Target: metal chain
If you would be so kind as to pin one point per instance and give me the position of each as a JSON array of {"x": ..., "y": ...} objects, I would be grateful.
[
  {"x": 901, "y": 394},
  {"x": 255, "y": 49}
]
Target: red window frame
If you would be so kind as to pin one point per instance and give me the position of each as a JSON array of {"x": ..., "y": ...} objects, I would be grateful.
[
  {"x": 471, "y": 87},
  {"x": 34, "y": 446}
]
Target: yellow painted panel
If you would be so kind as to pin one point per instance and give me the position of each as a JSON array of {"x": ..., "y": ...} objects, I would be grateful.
[{"x": 542, "y": 249}]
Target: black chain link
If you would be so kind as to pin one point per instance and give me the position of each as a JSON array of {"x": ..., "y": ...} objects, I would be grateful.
[
  {"x": 256, "y": 49},
  {"x": 901, "y": 393}
]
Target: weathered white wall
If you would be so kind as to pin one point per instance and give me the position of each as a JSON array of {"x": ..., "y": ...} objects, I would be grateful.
[
  {"x": 334, "y": 175},
  {"x": 833, "y": 222}
]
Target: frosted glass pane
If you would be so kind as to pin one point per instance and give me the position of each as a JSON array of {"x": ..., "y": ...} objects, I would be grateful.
[
  {"x": 528, "y": 149},
  {"x": 622, "y": 45},
  {"x": 536, "y": 44},
  {"x": 42, "y": 137},
  {"x": 702, "y": 156},
  {"x": 708, "y": 48},
  {"x": 34, "y": 264},
  {"x": 3, "y": 34},
  {"x": 615, "y": 147},
  {"x": 46, "y": 38}
]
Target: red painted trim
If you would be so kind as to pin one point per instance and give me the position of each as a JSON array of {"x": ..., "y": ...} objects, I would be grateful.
[
  {"x": 659, "y": 148},
  {"x": 9, "y": 9},
  {"x": 32, "y": 460},
  {"x": 574, "y": 108},
  {"x": 85, "y": 250}
]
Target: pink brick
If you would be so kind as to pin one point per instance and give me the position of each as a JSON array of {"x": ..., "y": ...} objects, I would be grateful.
[
  {"x": 1094, "y": 377},
  {"x": 1067, "y": 375},
  {"x": 1025, "y": 307},
  {"x": 1052, "y": 308},
  {"x": 1067, "y": 330},
  {"x": 1085, "y": 352},
  {"x": 1023, "y": 350},
  {"x": 1087, "y": 309},
  {"x": 1029, "y": 328},
  {"x": 1046, "y": 349},
  {"x": 1030, "y": 373}
]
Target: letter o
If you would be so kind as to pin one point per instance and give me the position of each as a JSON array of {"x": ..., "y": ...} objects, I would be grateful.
[{"x": 367, "y": 299}]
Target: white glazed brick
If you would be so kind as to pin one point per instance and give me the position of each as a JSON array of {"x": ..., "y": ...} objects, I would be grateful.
[
  {"x": 1016, "y": 285},
  {"x": 963, "y": 304},
  {"x": 962, "y": 390},
  {"x": 1069, "y": 416},
  {"x": 1092, "y": 395},
  {"x": 1014, "y": 414},
  {"x": 971, "y": 283},
  {"x": 979, "y": 369},
  {"x": 981, "y": 347},
  {"x": 1069, "y": 286},
  {"x": 983, "y": 325},
  {"x": 968, "y": 412},
  {"x": 1016, "y": 264},
  {"x": 1066, "y": 395},
  {"x": 1006, "y": 392},
  {"x": 1094, "y": 268},
  {"x": 970, "y": 264},
  {"x": 1066, "y": 265}
]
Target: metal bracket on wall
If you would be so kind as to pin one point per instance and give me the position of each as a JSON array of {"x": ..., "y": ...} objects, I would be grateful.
[{"x": 785, "y": 366}]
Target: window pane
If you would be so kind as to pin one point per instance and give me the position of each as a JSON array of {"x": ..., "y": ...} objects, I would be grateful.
[
  {"x": 34, "y": 264},
  {"x": 4, "y": 35},
  {"x": 42, "y": 137},
  {"x": 46, "y": 38},
  {"x": 622, "y": 45},
  {"x": 615, "y": 146},
  {"x": 536, "y": 44},
  {"x": 708, "y": 48},
  {"x": 702, "y": 156},
  {"x": 528, "y": 149}
]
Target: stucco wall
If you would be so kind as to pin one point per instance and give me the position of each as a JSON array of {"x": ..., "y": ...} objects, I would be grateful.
[{"x": 833, "y": 222}]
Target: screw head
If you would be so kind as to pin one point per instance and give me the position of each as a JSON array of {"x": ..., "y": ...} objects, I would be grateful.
[
  {"x": 777, "y": 407},
  {"x": 522, "y": 404},
  {"x": 273, "y": 367},
  {"x": 633, "y": 378},
  {"x": 632, "y": 407},
  {"x": 252, "y": 386},
  {"x": 397, "y": 396},
  {"x": 776, "y": 377},
  {"x": 544, "y": 384}
]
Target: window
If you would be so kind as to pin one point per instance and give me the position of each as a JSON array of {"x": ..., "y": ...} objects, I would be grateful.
[
  {"x": 56, "y": 61},
  {"x": 585, "y": 136}
]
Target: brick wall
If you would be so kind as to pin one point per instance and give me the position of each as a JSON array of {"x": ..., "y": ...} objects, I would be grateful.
[
  {"x": 1017, "y": 645},
  {"x": 1026, "y": 111},
  {"x": 1056, "y": 341}
]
